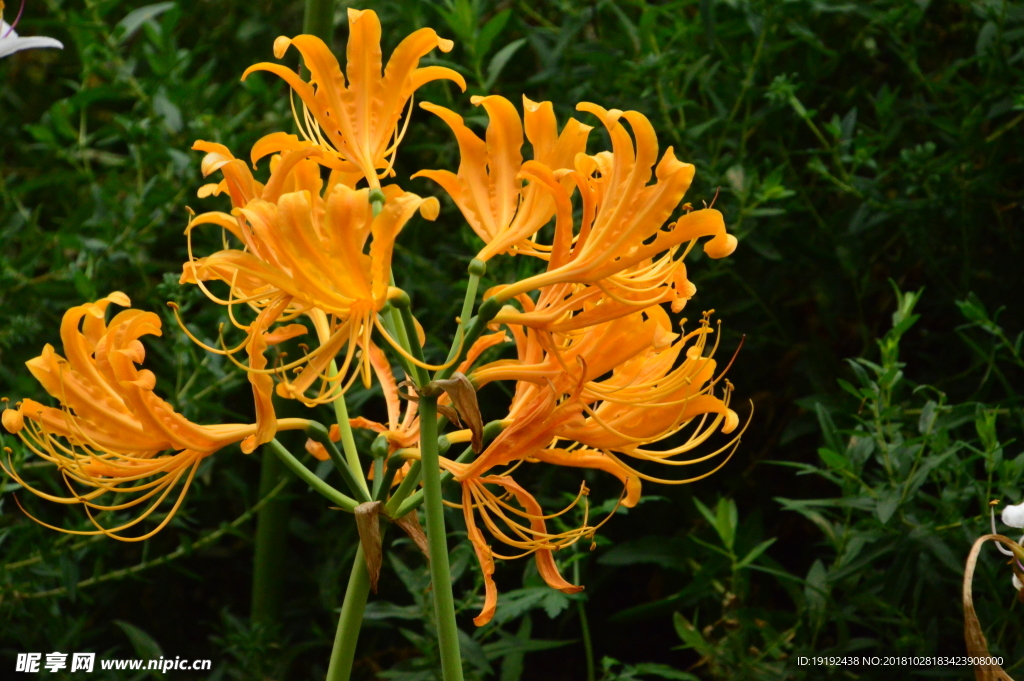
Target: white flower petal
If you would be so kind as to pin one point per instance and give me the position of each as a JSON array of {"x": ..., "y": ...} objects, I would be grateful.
[
  {"x": 1016, "y": 583},
  {"x": 1014, "y": 515},
  {"x": 9, "y": 46},
  {"x": 11, "y": 42}
]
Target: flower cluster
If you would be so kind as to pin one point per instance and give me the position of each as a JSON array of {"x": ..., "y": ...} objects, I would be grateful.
[
  {"x": 111, "y": 429},
  {"x": 602, "y": 376}
]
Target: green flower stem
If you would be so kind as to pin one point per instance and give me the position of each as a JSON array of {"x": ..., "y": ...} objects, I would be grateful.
[
  {"x": 392, "y": 321},
  {"x": 344, "y": 651},
  {"x": 319, "y": 19},
  {"x": 488, "y": 310},
  {"x": 437, "y": 540},
  {"x": 393, "y": 465},
  {"x": 271, "y": 540},
  {"x": 411, "y": 479},
  {"x": 588, "y": 646},
  {"x": 477, "y": 269},
  {"x": 345, "y": 502},
  {"x": 318, "y": 433},
  {"x": 348, "y": 443},
  {"x": 406, "y": 327}
]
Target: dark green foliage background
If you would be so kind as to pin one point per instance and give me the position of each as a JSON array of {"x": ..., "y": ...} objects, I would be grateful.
[{"x": 853, "y": 143}]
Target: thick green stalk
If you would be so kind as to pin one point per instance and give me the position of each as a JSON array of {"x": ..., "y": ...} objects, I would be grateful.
[
  {"x": 271, "y": 540},
  {"x": 351, "y": 619},
  {"x": 437, "y": 540}
]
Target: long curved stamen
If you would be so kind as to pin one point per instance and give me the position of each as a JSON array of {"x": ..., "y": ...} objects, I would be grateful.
[{"x": 17, "y": 18}]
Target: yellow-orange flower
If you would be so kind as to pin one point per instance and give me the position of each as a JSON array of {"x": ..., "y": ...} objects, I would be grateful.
[
  {"x": 659, "y": 383},
  {"x": 620, "y": 245},
  {"x": 358, "y": 122},
  {"x": 488, "y": 188},
  {"x": 304, "y": 252},
  {"x": 112, "y": 428}
]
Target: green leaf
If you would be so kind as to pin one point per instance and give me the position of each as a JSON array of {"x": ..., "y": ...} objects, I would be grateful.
[
  {"x": 383, "y": 610},
  {"x": 143, "y": 644},
  {"x": 69, "y": 574},
  {"x": 689, "y": 635},
  {"x": 667, "y": 552},
  {"x": 512, "y": 662},
  {"x": 706, "y": 512},
  {"x": 416, "y": 583},
  {"x": 134, "y": 20},
  {"x": 833, "y": 440},
  {"x": 554, "y": 603},
  {"x": 888, "y": 502},
  {"x": 661, "y": 671},
  {"x": 724, "y": 519},
  {"x": 755, "y": 553},
  {"x": 940, "y": 549},
  {"x": 167, "y": 110},
  {"x": 490, "y": 31},
  {"x": 833, "y": 460},
  {"x": 499, "y": 61},
  {"x": 816, "y": 590},
  {"x": 514, "y": 604},
  {"x": 473, "y": 653},
  {"x": 728, "y": 519},
  {"x": 860, "y": 449},
  {"x": 926, "y": 421},
  {"x": 502, "y": 648}
]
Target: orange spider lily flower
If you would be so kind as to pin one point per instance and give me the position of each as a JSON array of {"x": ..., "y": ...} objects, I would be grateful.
[
  {"x": 562, "y": 308},
  {"x": 660, "y": 383},
  {"x": 488, "y": 189},
  {"x": 535, "y": 417},
  {"x": 303, "y": 253},
  {"x": 545, "y": 358},
  {"x": 651, "y": 397},
  {"x": 112, "y": 428},
  {"x": 621, "y": 235},
  {"x": 358, "y": 122},
  {"x": 532, "y": 539},
  {"x": 533, "y": 424}
]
